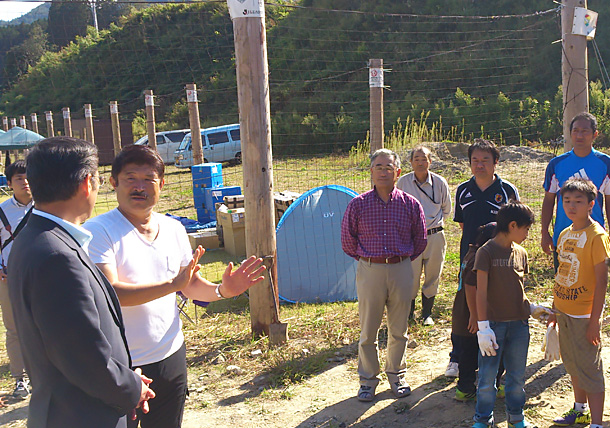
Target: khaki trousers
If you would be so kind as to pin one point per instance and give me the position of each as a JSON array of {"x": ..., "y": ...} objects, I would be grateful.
[
  {"x": 430, "y": 262},
  {"x": 380, "y": 286},
  {"x": 13, "y": 348}
]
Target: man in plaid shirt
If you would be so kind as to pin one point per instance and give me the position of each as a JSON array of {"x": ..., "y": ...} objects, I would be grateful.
[{"x": 384, "y": 229}]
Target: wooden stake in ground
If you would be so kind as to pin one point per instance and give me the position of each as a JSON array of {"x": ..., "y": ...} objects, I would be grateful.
[
  {"x": 255, "y": 123},
  {"x": 116, "y": 127},
  {"x": 149, "y": 102},
  {"x": 13, "y": 122},
  {"x": 376, "y": 103},
  {"x": 34, "y": 120},
  {"x": 22, "y": 122},
  {"x": 193, "y": 103},
  {"x": 67, "y": 121},
  {"x": 574, "y": 69},
  {"x": 89, "y": 124},
  {"x": 4, "y": 123},
  {"x": 49, "y": 118}
]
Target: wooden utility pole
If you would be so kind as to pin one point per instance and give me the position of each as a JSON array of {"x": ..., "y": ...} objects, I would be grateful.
[
  {"x": 22, "y": 122},
  {"x": 13, "y": 122},
  {"x": 575, "y": 69},
  {"x": 376, "y": 89},
  {"x": 193, "y": 103},
  {"x": 149, "y": 102},
  {"x": 34, "y": 120},
  {"x": 89, "y": 124},
  {"x": 49, "y": 118},
  {"x": 255, "y": 124},
  {"x": 4, "y": 123},
  {"x": 116, "y": 127},
  {"x": 67, "y": 121}
]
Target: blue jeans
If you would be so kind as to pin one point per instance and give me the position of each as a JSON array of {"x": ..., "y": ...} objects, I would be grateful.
[{"x": 513, "y": 339}]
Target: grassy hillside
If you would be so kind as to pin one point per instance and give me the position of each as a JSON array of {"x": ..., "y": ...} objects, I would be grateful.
[{"x": 470, "y": 76}]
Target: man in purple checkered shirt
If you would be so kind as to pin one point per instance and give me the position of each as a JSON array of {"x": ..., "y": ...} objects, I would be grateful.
[{"x": 384, "y": 229}]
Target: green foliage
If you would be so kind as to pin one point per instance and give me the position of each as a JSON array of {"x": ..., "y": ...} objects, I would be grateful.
[{"x": 68, "y": 19}]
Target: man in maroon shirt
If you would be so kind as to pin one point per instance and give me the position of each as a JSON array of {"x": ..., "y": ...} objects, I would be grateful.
[{"x": 384, "y": 229}]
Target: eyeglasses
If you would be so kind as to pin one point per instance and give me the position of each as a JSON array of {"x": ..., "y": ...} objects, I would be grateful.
[{"x": 380, "y": 168}]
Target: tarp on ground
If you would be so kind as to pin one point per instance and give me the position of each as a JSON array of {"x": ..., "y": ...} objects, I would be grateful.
[
  {"x": 311, "y": 266},
  {"x": 18, "y": 138}
]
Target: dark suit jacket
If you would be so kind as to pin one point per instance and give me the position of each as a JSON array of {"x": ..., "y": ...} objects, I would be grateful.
[{"x": 71, "y": 330}]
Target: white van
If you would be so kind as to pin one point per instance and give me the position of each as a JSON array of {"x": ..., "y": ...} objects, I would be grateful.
[
  {"x": 220, "y": 144},
  {"x": 167, "y": 143}
]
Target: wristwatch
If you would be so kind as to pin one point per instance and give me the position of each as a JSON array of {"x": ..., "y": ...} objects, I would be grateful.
[{"x": 217, "y": 289}]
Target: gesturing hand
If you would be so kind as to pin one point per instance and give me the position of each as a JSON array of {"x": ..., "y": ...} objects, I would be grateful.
[
  {"x": 186, "y": 274},
  {"x": 236, "y": 282}
]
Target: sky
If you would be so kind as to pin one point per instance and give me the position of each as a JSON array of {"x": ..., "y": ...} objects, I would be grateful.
[{"x": 14, "y": 9}]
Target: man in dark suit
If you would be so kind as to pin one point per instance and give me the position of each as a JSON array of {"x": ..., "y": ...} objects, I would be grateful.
[{"x": 66, "y": 312}]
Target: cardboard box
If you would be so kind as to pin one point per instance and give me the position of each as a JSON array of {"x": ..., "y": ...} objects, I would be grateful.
[
  {"x": 207, "y": 238},
  {"x": 233, "y": 224}
]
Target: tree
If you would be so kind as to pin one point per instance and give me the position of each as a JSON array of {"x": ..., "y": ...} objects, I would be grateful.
[
  {"x": 20, "y": 57},
  {"x": 68, "y": 19}
]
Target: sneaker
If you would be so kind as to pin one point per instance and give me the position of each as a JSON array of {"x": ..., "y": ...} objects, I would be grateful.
[
  {"x": 452, "y": 369},
  {"x": 429, "y": 321},
  {"x": 520, "y": 424},
  {"x": 572, "y": 417},
  {"x": 501, "y": 392},
  {"x": 464, "y": 396},
  {"x": 22, "y": 388}
]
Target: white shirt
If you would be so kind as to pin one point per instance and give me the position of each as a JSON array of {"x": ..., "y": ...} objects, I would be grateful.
[
  {"x": 14, "y": 211},
  {"x": 153, "y": 329},
  {"x": 433, "y": 195}
]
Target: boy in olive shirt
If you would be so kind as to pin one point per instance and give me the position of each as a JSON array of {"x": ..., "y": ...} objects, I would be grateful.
[
  {"x": 503, "y": 311},
  {"x": 579, "y": 292}
]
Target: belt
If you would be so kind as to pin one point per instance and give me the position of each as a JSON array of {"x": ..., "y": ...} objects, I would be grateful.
[
  {"x": 385, "y": 260},
  {"x": 435, "y": 230}
]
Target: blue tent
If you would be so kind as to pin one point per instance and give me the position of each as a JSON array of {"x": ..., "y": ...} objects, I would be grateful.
[
  {"x": 311, "y": 266},
  {"x": 18, "y": 138}
]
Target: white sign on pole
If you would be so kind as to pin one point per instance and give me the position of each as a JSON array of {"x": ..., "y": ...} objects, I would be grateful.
[
  {"x": 22, "y": 122},
  {"x": 5, "y": 120},
  {"x": 66, "y": 113},
  {"x": 34, "y": 117},
  {"x": 191, "y": 96},
  {"x": 246, "y": 8},
  {"x": 13, "y": 122},
  {"x": 114, "y": 108},
  {"x": 149, "y": 100},
  {"x": 49, "y": 116},
  {"x": 376, "y": 77},
  {"x": 88, "y": 112},
  {"x": 585, "y": 22}
]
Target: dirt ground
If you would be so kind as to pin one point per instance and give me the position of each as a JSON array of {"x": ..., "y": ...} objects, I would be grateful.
[{"x": 328, "y": 399}]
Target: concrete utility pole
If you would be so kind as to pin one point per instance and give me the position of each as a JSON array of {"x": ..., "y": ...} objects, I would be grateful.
[
  {"x": 49, "y": 119},
  {"x": 67, "y": 121},
  {"x": 34, "y": 120},
  {"x": 376, "y": 89},
  {"x": 196, "y": 143},
  {"x": 255, "y": 123},
  {"x": 116, "y": 127},
  {"x": 149, "y": 102},
  {"x": 575, "y": 69},
  {"x": 89, "y": 123}
]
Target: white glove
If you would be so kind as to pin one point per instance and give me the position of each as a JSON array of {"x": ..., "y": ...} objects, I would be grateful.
[
  {"x": 550, "y": 345},
  {"x": 487, "y": 339},
  {"x": 541, "y": 313}
]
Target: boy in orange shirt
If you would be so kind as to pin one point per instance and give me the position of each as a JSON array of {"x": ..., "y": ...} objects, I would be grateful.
[{"x": 579, "y": 292}]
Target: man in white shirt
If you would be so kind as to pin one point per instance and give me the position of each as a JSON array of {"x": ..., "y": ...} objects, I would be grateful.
[
  {"x": 432, "y": 191},
  {"x": 147, "y": 257},
  {"x": 14, "y": 213}
]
